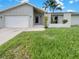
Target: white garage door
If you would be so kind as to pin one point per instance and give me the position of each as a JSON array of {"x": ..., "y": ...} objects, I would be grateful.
[
  {"x": 75, "y": 20},
  {"x": 17, "y": 21}
]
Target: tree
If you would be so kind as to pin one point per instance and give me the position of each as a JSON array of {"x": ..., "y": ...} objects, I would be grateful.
[{"x": 52, "y": 5}]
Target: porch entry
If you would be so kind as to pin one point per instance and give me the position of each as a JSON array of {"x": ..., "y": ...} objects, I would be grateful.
[{"x": 38, "y": 20}]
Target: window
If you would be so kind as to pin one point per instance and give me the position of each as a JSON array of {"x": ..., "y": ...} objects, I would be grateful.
[{"x": 54, "y": 20}]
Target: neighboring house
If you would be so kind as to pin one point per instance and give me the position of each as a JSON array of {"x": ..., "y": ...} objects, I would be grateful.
[{"x": 26, "y": 15}]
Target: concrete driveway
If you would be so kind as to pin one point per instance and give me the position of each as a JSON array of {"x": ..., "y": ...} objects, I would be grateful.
[{"x": 8, "y": 33}]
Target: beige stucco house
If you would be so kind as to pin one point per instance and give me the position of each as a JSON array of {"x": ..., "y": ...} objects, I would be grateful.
[
  {"x": 26, "y": 15},
  {"x": 22, "y": 15}
]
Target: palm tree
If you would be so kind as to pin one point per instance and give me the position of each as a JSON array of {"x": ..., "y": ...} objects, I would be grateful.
[{"x": 52, "y": 5}]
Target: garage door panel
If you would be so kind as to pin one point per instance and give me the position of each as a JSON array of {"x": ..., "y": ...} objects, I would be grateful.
[
  {"x": 17, "y": 21},
  {"x": 75, "y": 20}
]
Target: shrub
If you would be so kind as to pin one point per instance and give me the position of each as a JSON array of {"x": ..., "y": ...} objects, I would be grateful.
[
  {"x": 65, "y": 21},
  {"x": 46, "y": 21}
]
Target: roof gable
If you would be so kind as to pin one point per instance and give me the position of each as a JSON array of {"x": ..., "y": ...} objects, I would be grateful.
[{"x": 21, "y": 5}]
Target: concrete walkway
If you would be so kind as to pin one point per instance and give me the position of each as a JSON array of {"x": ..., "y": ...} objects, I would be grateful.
[{"x": 8, "y": 33}]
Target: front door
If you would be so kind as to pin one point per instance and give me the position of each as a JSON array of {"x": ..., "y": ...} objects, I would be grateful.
[{"x": 37, "y": 20}]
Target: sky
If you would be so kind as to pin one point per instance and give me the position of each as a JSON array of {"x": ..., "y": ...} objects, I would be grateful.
[{"x": 67, "y": 5}]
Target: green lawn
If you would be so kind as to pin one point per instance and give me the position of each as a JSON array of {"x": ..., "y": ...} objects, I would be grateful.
[{"x": 49, "y": 44}]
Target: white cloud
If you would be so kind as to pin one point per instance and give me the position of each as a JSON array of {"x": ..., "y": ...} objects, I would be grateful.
[
  {"x": 58, "y": 1},
  {"x": 63, "y": 7},
  {"x": 71, "y": 2},
  {"x": 61, "y": 3},
  {"x": 22, "y": 1},
  {"x": 70, "y": 10}
]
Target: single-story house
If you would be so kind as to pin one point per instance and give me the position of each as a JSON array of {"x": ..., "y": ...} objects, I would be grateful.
[
  {"x": 20, "y": 16},
  {"x": 26, "y": 15}
]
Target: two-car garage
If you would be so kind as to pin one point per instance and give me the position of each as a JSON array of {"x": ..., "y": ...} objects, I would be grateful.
[
  {"x": 17, "y": 21},
  {"x": 19, "y": 16}
]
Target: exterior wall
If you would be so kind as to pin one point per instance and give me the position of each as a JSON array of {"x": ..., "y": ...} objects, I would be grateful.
[
  {"x": 68, "y": 17},
  {"x": 41, "y": 20},
  {"x": 74, "y": 20},
  {"x": 49, "y": 18},
  {"x": 59, "y": 25},
  {"x": 2, "y": 21},
  {"x": 24, "y": 10},
  {"x": 60, "y": 18},
  {"x": 20, "y": 10}
]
